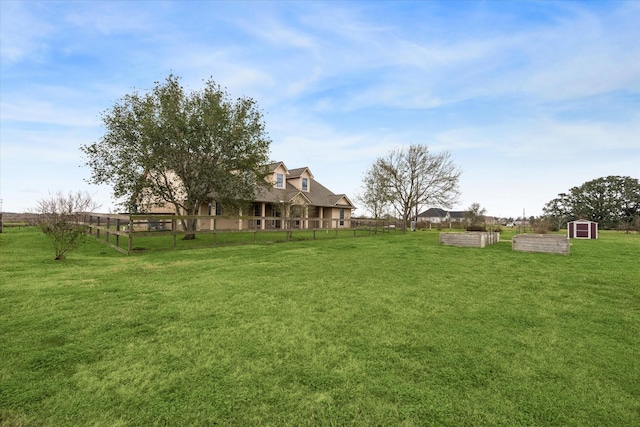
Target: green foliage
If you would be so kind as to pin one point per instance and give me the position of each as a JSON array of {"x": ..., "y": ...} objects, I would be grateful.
[
  {"x": 387, "y": 330},
  {"x": 610, "y": 201},
  {"x": 179, "y": 147}
]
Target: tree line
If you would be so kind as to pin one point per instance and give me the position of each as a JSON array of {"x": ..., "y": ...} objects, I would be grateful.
[{"x": 612, "y": 202}]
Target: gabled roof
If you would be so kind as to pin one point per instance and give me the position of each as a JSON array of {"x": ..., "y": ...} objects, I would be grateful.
[
  {"x": 318, "y": 195},
  {"x": 457, "y": 214},
  {"x": 295, "y": 173},
  {"x": 273, "y": 166}
]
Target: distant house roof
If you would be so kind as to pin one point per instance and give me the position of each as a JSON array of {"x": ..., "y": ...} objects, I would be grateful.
[
  {"x": 457, "y": 214},
  {"x": 433, "y": 213}
]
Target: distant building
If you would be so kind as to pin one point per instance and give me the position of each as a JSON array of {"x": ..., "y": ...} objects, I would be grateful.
[{"x": 435, "y": 215}]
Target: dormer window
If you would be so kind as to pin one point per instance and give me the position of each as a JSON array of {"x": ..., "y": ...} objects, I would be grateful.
[
  {"x": 305, "y": 184},
  {"x": 279, "y": 180}
]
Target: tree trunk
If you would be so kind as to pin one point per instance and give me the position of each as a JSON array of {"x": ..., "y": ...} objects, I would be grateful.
[{"x": 190, "y": 226}]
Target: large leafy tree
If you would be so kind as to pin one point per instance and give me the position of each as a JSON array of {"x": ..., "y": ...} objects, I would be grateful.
[
  {"x": 411, "y": 177},
  {"x": 559, "y": 211},
  {"x": 611, "y": 201},
  {"x": 177, "y": 147}
]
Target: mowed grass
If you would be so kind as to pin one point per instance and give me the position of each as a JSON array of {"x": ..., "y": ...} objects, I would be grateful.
[{"x": 383, "y": 330}]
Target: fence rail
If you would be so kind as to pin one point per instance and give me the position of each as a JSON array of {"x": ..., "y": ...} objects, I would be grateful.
[{"x": 120, "y": 231}]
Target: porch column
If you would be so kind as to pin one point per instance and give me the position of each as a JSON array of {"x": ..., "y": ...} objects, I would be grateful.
[
  {"x": 212, "y": 225},
  {"x": 240, "y": 220}
]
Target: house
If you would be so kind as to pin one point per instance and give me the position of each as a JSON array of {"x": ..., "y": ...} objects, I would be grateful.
[
  {"x": 437, "y": 215},
  {"x": 293, "y": 200},
  {"x": 582, "y": 229},
  {"x": 456, "y": 216},
  {"x": 434, "y": 215}
]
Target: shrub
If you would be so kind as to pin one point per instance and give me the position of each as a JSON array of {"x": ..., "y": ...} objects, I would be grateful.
[
  {"x": 60, "y": 217},
  {"x": 541, "y": 225}
]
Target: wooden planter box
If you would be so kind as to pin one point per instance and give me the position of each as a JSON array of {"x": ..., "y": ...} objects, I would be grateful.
[
  {"x": 547, "y": 243},
  {"x": 472, "y": 239}
]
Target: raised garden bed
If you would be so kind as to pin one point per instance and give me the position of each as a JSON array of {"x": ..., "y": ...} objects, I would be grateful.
[
  {"x": 547, "y": 243},
  {"x": 472, "y": 239}
]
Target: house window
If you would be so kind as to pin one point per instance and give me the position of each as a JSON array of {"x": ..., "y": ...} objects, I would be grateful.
[
  {"x": 305, "y": 184},
  {"x": 218, "y": 209},
  {"x": 279, "y": 180},
  {"x": 341, "y": 217},
  {"x": 257, "y": 210}
]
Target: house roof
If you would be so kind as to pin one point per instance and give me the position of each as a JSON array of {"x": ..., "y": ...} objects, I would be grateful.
[
  {"x": 318, "y": 195},
  {"x": 294, "y": 173},
  {"x": 433, "y": 213},
  {"x": 273, "y": 166},
  {"x": 457, "y": 214}
]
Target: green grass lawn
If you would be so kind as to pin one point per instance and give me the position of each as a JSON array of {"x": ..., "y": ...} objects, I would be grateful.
[{"x": 385, "y": 330}]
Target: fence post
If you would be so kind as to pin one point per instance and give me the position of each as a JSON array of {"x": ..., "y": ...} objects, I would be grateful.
[
  {"x": 130, "y": 236},
  {"x": 174, "y": 225},
  {"x": 118, "y": 232}
]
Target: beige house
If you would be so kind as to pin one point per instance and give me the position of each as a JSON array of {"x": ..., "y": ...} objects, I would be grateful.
[{"x": 294, "y": 200}]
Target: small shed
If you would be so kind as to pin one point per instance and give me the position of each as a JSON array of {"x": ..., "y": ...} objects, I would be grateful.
[{"x": 582, "y": 229}]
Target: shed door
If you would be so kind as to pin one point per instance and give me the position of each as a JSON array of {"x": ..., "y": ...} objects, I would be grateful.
[{"x": 582, "y": 230}]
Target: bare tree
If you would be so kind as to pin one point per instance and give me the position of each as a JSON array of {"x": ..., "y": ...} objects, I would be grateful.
[
  {"x": 375, "y": 197},
  {"x": 475, "y": 216},
  {"x": 60, "y": 217},
  {"x": 412, "y": 178}
]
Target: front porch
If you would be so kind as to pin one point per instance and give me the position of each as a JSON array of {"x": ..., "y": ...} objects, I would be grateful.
[{"x": 270, "y": 216}]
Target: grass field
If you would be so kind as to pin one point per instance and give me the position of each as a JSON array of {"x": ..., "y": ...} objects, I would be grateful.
[{"x": 386, "y": 330}]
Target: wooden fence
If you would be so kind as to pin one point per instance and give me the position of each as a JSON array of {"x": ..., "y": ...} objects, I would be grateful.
[{"x": 121, "y": 231}]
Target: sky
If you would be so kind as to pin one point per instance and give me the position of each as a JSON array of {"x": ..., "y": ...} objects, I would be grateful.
[{"x": 529, "y": 98}]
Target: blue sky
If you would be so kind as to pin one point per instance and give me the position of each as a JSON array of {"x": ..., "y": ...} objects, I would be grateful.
[{"x": 530, "y": 98}]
